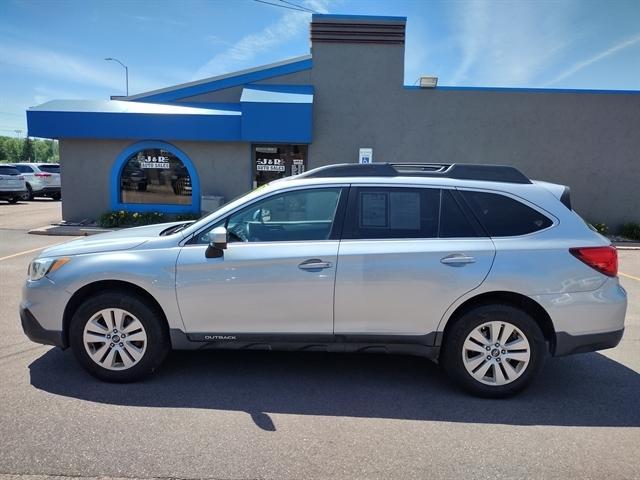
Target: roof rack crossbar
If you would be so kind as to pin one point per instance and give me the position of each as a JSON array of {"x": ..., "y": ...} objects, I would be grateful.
[{"x": 460, "y": 171}]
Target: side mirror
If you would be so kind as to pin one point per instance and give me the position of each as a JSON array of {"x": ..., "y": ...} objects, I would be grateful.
[{"x": 217, "y": 244}]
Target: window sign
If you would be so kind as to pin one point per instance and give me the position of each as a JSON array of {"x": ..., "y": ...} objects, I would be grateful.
[
  {"x": 151, "y": 161},
  {"x": 270, "y": 165},
  {"x": 366, "y": 155},
  {"x": 373, "y": 210},
  {"x": 155, "y": 176}
]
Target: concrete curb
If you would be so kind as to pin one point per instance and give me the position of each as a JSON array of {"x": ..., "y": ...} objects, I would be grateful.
[{"x": 68, "y": 231}]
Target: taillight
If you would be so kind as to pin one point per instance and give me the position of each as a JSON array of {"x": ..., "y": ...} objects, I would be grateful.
[
  {"x": 602, "y": 259},
  {"x": 43, "y": 174}
]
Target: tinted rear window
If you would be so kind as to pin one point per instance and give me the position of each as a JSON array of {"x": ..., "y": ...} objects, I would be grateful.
[
  {"x": 502, "y": 216},
  {"x": 7, "y": 170},
  {"x": 49, "y": 168}
]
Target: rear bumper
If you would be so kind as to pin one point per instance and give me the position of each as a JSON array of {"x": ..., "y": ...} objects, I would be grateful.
[
  {"x": 47, "y": 191},
  {"x": 37, "y": 333},
  {"x": 567, "y": 344},
  {"x": 12, "y": 193}
]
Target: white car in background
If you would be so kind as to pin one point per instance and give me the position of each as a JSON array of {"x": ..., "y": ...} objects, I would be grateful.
[
  {"x": 12, "y": 184},
  {"x": 42, "y": 179}
]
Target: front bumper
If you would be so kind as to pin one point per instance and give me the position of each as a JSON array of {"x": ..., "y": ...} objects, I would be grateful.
[{"x": 37, "y": 333}]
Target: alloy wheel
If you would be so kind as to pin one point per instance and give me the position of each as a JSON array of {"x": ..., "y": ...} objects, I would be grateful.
[
  {"x": 115, "y": 339},
  {"x": 496, "y": 353}
]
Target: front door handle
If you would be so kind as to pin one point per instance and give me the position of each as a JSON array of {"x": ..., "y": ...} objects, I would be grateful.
[
  {"x": 457, "y": 260},
  {"x": 314, "y": 264}
]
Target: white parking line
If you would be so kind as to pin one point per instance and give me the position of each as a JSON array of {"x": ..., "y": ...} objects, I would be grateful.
[
  {"x": 629, "y": 276},
  {"x": 29, "y": 251}
]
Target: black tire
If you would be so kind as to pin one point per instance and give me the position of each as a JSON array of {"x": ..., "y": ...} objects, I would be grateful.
[
  {"x": 157, "y": 347},
  {"x": 453, "y": 350},
  {"x": 56, "y": 196},
  {"x": 29, "y": 192},
  {"x": 13, "y": 200}
]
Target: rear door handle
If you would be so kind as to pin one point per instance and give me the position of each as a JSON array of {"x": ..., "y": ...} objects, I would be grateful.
[
  {"x": 314, "y": 264},
  {"x": 457, "y": 260}
]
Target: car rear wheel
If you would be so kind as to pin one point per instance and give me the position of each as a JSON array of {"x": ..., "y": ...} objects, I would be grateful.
[
  {"x": 29, "y": 192},
  {"x": 13, "y": 200},
  {"x": 117, "y": 337},
  {"x": 494, "y": 350},
  {"x": 56, "y": 196}
]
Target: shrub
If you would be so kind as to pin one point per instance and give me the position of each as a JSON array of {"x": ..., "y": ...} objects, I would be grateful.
[
  {"x": 631, "y": 230},
  {"x": 601, "y": 228},
  {"x": 136, "y": 219}
]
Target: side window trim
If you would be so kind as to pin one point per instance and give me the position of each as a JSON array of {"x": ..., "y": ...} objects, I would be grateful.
[{"x": 468, "y": 213}]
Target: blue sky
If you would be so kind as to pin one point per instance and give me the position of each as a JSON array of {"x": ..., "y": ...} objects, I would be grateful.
[{"x": 56, "y": 49}]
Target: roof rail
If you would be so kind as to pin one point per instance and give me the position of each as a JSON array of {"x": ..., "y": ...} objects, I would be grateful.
[{"x": 460, "y": 171}]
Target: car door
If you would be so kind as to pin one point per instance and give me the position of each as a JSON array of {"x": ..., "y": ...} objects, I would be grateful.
[
  {"x": 406, "y": 255},
  {"x": 277, "y": 273}
]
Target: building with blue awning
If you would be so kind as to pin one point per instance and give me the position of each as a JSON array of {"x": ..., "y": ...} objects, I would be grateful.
[{"x": 167, "y": 149}]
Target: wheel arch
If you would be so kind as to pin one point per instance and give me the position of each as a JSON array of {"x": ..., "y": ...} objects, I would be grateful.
[
  {"x": 102, "y": 286},
  {"x": 517, "y": 300}
]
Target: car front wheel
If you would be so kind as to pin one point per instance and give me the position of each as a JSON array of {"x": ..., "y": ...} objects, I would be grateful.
[
  {"x": 117, "y": 337},
  {"x": 494, "y": 350}
]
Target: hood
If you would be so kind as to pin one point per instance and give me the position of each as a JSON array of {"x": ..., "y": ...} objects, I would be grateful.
[{"x": 124, "y": 239}]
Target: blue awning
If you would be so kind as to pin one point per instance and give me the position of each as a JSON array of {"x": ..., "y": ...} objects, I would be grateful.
[
  {"x": 113, "y": 119},
  {"x": 266, "y": 113}
]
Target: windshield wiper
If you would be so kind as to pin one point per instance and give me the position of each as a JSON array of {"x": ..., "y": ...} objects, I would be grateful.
[{"x": 175, "y": 229}]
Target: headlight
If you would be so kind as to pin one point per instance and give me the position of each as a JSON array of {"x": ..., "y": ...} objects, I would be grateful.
[{"x": 41, "y": 266}]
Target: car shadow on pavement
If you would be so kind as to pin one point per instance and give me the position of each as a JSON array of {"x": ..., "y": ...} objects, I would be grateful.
[{"x": 582, "y": 390}]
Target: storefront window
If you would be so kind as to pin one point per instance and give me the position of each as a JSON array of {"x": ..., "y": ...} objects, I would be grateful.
[
  {"x": 155, "y": 175},
  {"x": 276, "y": 161}
]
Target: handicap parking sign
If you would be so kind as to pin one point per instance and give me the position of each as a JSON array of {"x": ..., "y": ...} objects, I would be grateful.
[{"x": 366, "y": 155}]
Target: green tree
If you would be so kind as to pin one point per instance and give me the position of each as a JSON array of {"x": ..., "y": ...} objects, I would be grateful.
[
  {"x": 13, "y": 149},
  {"x": 28, "y": 152}
]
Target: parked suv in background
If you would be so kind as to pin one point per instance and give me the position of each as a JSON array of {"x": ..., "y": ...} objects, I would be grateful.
[
  {"x": 12, "y": 186},
  {"x": 42, "y": 179},
  {"x": 473, "y": 266}
]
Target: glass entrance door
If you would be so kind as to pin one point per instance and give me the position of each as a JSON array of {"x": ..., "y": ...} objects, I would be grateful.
[{"x": 271, "y": 162}]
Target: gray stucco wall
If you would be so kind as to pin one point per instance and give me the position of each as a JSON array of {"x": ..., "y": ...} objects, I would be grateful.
[
  {"x": 223, "y": 168},
  {"x": 588, "y": 141}
]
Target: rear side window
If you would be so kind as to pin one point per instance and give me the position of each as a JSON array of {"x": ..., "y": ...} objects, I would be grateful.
[
  {"x": 24, "y": 169},
  {"x": 382, "y": 212},
  {"x": 502, "y": 216},
  {"x": 49, "y": 168},
  {"x": 7, "y": 170}
]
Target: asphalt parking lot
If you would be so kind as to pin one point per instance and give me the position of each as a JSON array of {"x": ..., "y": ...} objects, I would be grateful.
[{"x": 297, "y": 415}]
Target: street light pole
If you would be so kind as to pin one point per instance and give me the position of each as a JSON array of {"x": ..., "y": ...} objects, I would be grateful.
[{"x": 126, "y": 71}]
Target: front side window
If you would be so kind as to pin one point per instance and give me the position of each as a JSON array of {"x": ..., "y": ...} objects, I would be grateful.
[
  {"x": 502, "y": 216},
  {"x": 291, "y": 216},
  {"x": 155, "y": 176}
]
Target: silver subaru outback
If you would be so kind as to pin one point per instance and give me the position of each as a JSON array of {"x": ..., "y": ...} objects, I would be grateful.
[{"x": 475, "y": 267}]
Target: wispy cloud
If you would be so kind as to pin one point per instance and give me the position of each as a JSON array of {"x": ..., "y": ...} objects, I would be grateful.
[
  {"x": 629, "y": 42},
  {"x": 46, "y": 63},
  {"x": 506, "y": 43},
  {"x": 243, "y": 52}
]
